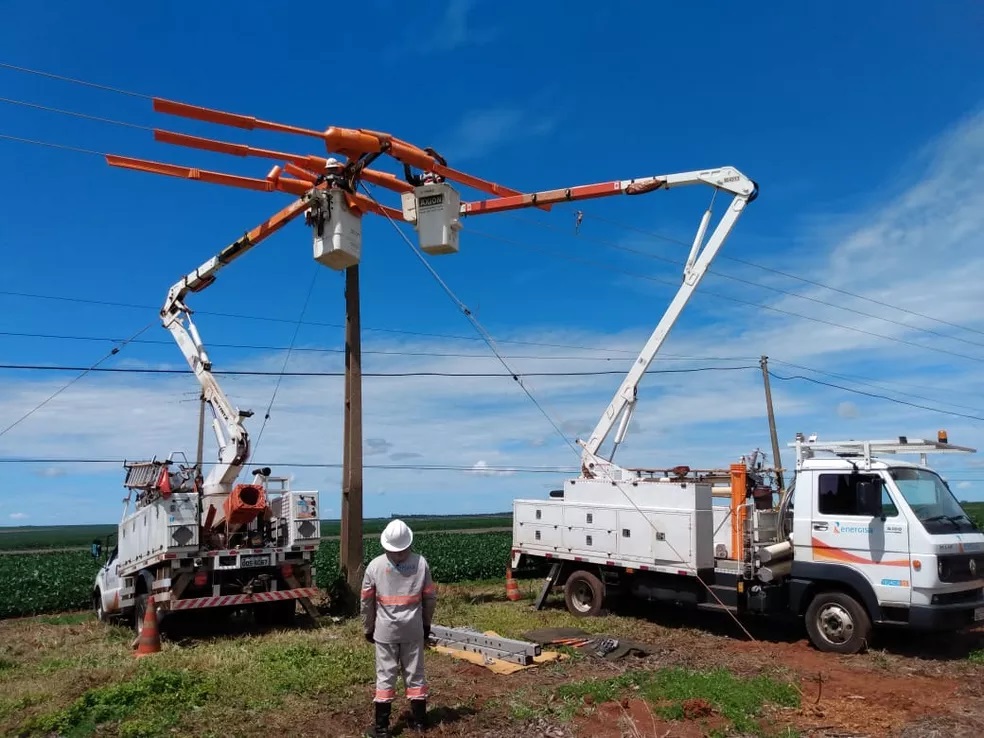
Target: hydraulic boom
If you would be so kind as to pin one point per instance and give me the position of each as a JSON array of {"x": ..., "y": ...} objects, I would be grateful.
[
  {"x": 233, "y": 440},
  {"x": 619, "y": 411}
]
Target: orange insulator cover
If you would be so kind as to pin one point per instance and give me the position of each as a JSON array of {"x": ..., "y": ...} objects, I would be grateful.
[{"x": 244, "y": 503}]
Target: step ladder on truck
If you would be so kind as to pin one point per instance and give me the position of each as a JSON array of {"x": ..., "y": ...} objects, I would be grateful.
[{"x": 857, "y": 540}]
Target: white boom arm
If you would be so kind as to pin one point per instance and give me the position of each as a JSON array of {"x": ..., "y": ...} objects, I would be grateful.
[
  {"x": 229, "y": 431},
  {"x": 619, "y": 411}
]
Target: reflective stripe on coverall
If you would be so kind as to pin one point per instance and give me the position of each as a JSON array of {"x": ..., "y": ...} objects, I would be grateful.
[{"x": 398, "y": 602}]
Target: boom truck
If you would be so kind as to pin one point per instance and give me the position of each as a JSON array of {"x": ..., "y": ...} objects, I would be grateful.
[
  {"x": 857, "y": 539},
  {"x": 186, "y": 543}
]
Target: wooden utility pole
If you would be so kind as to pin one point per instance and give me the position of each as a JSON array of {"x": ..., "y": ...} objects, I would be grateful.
[
  {"x": 764, "y": 362},
  {"x": 350, "y": 549}
]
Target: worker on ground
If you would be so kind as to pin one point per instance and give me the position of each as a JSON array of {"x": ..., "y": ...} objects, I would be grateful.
[{"x": 397, "y": 605}]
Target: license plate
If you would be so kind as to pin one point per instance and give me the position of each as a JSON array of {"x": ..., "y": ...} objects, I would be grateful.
[
  {"x": 979, "y": 614},
  {"x": 254, "y": 561}
]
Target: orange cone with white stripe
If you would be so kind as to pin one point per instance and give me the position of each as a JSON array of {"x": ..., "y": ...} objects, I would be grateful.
[
  {"x": 149, "y": 640},
  {"x": 512, "y": 588}
]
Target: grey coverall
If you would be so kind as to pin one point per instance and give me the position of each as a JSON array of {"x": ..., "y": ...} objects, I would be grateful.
[{"x": 397, "y": 605}]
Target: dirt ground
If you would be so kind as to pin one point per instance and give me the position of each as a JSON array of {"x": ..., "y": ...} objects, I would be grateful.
[{"x": 903, "y": 687}]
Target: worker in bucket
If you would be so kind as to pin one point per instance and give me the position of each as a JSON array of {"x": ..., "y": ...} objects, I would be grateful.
[{"x": 397, "y": 605}]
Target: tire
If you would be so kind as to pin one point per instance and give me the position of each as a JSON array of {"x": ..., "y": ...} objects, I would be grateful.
[
  {"x": 141, "y": 601},
  {"x": 838, "y": 623},
  {"x": 584, "y": 594},
  {"x": 139, "y": 611},
  {"x": 97, "y": 606}
]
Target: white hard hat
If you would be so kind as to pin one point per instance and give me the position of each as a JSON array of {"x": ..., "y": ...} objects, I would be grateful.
[{"x": 396, "y": 537}]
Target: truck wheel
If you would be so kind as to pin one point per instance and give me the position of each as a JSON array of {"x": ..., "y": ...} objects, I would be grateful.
[
  {"x": 139, "y": 611},
  {"x": 97, "y": 606},
  {"x": 837, "y": 623},
  {"x": 584, "y": 594}
]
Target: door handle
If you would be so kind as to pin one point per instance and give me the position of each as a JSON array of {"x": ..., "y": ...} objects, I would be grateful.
[{"x": 819, "y": 526}]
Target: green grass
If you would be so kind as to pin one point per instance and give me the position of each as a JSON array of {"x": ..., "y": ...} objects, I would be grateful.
[
  {"x": 146, "y": 705},
  {"x": 976, "y": 657},
  {"x": 739, "y": 700}
]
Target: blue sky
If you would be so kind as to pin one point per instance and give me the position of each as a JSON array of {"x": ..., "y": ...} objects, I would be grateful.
[{"x": 862, "y": 126}]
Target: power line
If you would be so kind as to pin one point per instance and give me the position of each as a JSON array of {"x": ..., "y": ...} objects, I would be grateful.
[
  {"x": 319, "y": 349},
  {"x": 782, "y": 273},
  {"x": 750, "y": 283},
  {"x": 74, "y": 114},
  {"x": 877, "y": 396},
  {"x": 242, "y": 316},
  {"x": 748, "y": 303},
  {"x": 878, "y": 384},
  {"x": 107, "y": 88},
  {"x": 259, "y": 373},
  {"x": 280, "y": 377},
  {"x": 85, "y": 370},
  {"x": 477, "y": 470},
  {"x": 49, "y": 145}
]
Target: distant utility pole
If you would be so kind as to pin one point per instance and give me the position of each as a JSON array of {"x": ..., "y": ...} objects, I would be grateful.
[
  {"x": 764, "y": 361},
  {"x": 350, "y": 548}
]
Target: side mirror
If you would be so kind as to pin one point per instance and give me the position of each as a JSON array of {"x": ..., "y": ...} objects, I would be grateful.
[{"x": 869, "y": 496}]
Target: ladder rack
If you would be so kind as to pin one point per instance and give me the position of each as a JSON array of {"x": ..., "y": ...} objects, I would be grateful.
[{"x": 866, "y": 450}]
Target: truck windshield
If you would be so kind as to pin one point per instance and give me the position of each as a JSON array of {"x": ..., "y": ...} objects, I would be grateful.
[{"x": 931, "y": 500}]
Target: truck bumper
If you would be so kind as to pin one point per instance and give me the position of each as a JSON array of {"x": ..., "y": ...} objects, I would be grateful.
[
  {"x": 946, "y": 617},
  {"x": 196, "y": 603}
]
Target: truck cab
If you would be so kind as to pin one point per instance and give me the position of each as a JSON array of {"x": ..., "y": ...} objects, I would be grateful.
[{"x": 886, "y": 533}]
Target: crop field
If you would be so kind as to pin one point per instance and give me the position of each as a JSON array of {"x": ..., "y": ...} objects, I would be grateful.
[
  {"x": 24, "y": 538},
  {"x": 49, "y": 582}
]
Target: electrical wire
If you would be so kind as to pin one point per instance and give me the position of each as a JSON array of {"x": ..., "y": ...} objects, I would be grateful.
[
  {"x": 50, "y": 145},
  {"x": 760, "y": 306},
  {"x": 283, "y": 369},
  {"x": 755, "y": 285},
  {"x": 877, "y": 384},
  {"x": 72, "y": 113},
  {"x": 95, "y": 367},
  {"x": 240, "y": 316},
  {"x": 73, "y": 80},
  {"x": 874, "y": 395},
  {"x": 788, "y": 275},
  {"x": 379, "y": 467},
  {"x": 260, "y": 373},
  {"x": 257, "y": 347}
]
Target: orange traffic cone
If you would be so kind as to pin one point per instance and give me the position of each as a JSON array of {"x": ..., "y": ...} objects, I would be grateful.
[
  {"x": 512, "y": 589},
  {"x": 149, "y": 640}
]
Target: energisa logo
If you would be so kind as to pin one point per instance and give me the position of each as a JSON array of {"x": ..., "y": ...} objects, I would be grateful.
[{"x": 838, "y": 528}]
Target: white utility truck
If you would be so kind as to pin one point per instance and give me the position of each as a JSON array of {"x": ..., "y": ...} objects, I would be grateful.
[
  {"x": 185, "y": 543},
  {"x": 855, "y": 541}
]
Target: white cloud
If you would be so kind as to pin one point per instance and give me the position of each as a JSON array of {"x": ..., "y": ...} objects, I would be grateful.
[
  {"x": 18, "y": 516},
  {"x": 481, "y": 467},
  {"x": 909, "y": 250},
  {"x": 480, "y": 132},
  {"x": 455, "y": 29}
]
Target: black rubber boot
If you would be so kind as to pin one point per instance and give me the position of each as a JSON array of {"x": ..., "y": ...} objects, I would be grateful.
[
  {"x": 381, "y": 728},
  {"x": 418, "y": 715}
]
